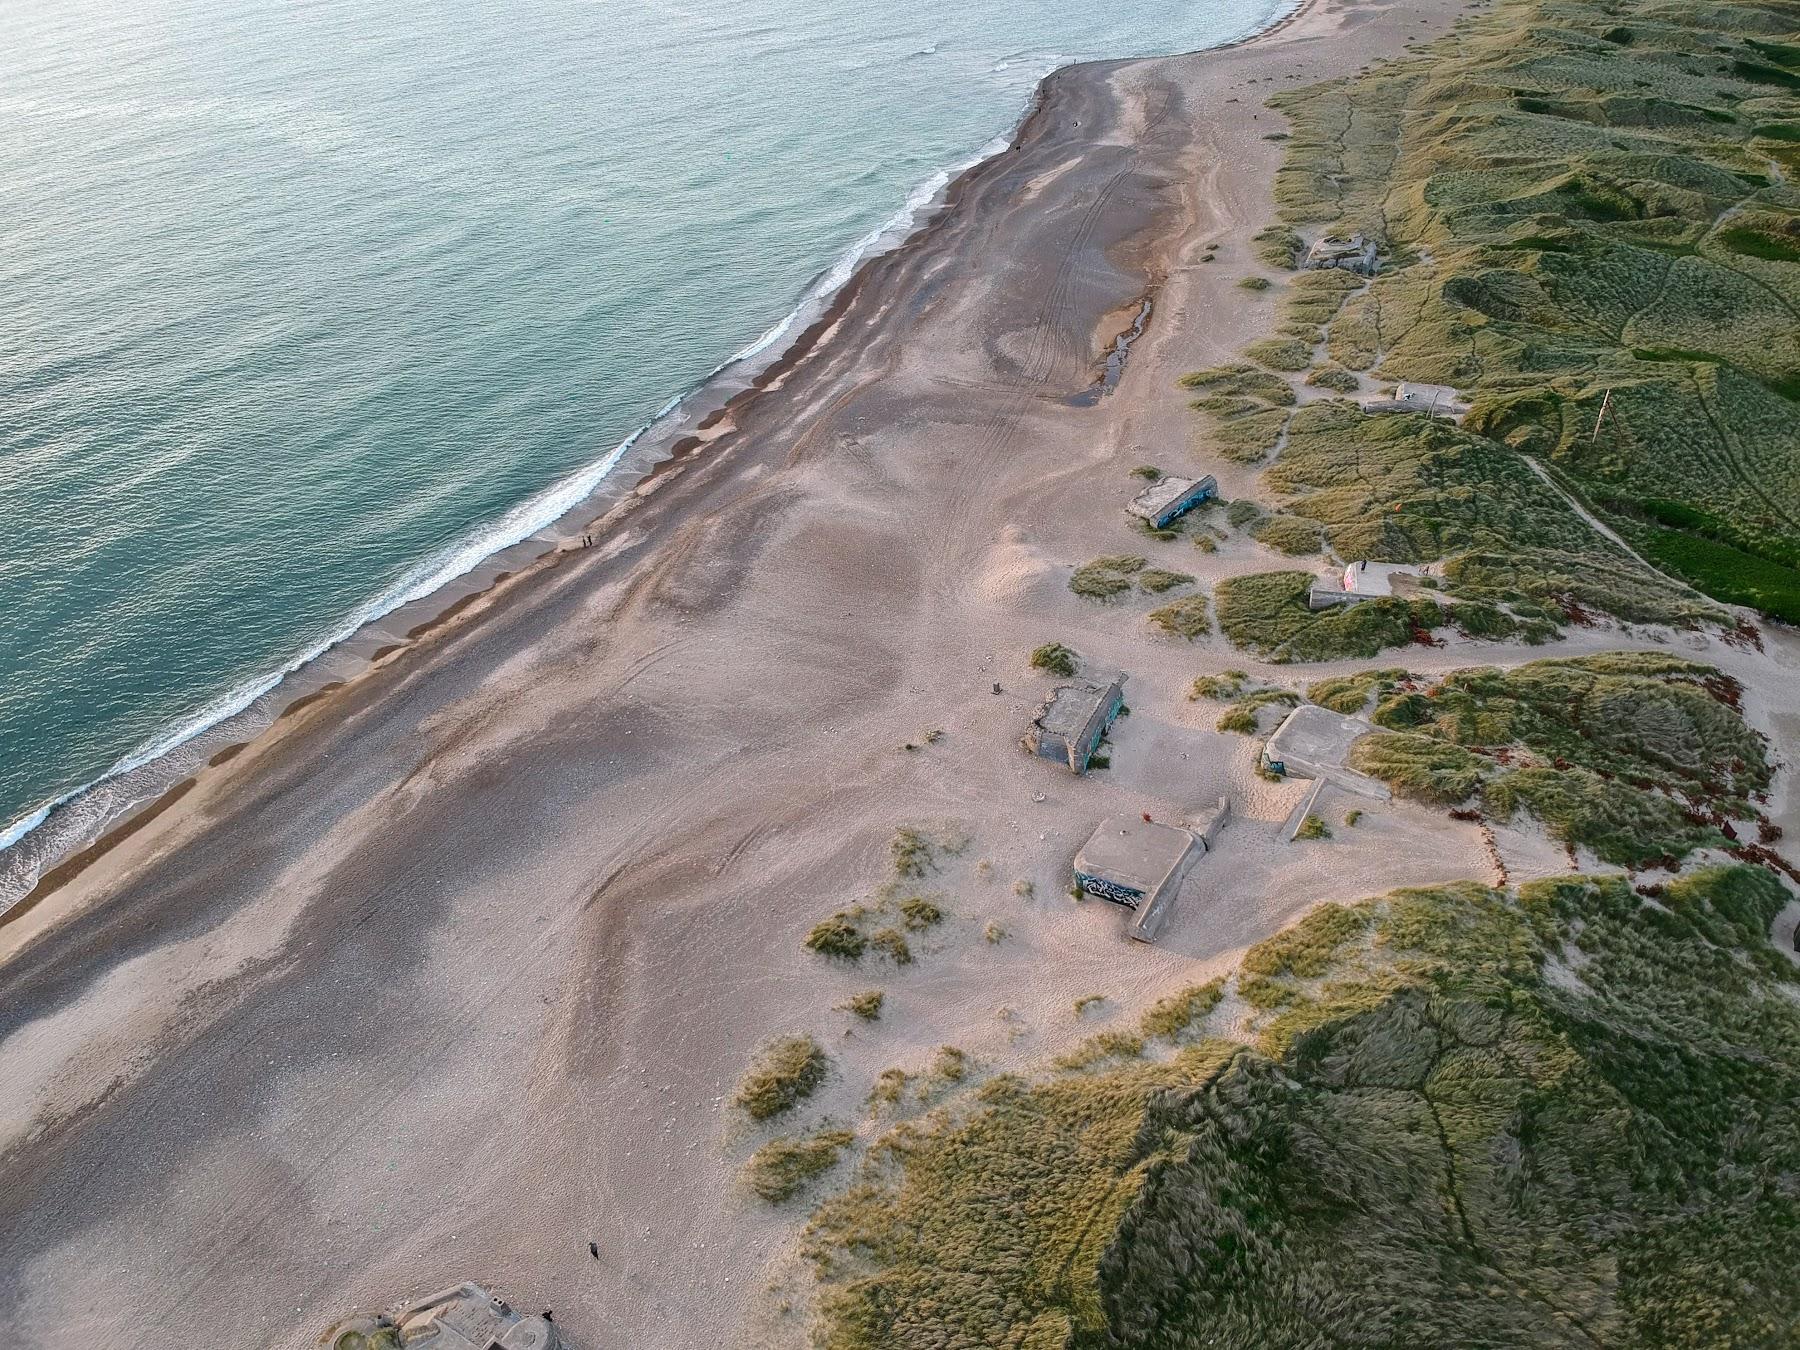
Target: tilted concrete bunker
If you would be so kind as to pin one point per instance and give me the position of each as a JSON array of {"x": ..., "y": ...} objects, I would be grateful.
[
  {"x": 464, "y": 1317},
  {"x": 1070, "y": 723}
]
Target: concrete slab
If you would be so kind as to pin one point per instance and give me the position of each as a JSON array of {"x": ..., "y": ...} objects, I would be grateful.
[{"x": 1314, "y": 742}]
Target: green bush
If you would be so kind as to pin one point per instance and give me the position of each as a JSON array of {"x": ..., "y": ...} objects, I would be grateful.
[{"x": 1056, "y": 659}]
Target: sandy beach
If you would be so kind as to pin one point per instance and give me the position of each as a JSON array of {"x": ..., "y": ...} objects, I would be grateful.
[{"x": 453, "y": 970}]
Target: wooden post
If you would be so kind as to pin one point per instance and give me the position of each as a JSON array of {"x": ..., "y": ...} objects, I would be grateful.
[{"x": 1605, "y": 407}]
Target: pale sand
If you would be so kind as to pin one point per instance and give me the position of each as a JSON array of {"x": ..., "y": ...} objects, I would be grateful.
[{"x": 453, "y": 971}]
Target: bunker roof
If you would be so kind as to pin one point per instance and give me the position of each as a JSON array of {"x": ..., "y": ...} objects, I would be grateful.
[
  {"x": 1134, "y": 852},
  {"x": 1071, "y": 705}
]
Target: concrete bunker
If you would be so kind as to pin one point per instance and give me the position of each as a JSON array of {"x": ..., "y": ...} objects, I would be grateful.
[
  {"x": 1314, "y": 742},
  {"x": 1352, "y": 252},
  {"x": 1434, "y": 400},
  {"x": 1357, "y": 582},
  {"x": 1168, "y": 499},
  {"x": 1069, "y": 724},
  {"x": 464, "y": 1317},
  {"x": 1140, "y": 863}
]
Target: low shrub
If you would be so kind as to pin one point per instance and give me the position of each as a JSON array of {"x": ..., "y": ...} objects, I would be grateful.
[{"x": 1055, "y": 659}]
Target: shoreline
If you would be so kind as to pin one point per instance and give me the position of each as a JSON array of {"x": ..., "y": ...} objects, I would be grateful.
[{"x": 733, "y": 385}]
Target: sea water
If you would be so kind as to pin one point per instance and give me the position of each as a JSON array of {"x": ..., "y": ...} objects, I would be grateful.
[{"x": 306, "y": 306}]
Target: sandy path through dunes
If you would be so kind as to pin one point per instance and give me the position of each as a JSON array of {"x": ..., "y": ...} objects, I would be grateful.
[{"x": 451, "y": 973}]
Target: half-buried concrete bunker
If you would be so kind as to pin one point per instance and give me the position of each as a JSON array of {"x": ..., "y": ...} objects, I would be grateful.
[{"x": 1070, "y": 723}]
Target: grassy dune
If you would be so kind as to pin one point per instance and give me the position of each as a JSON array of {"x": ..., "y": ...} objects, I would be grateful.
[
  {"x": 1641, "y": 758},
  {"x": 1579, "y": 199},
  {"x": 1469, "y": 1117}
]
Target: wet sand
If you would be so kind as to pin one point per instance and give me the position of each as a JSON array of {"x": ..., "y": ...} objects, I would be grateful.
[{"x": 451, "y": 971}]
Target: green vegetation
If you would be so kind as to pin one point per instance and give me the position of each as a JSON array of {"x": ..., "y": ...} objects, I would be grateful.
[
  {"x": 785, "y": 1073},
  {"x": 1266, "y": 612},
  {"x": 1640, "y": 757},
  {"x": 1295, "y": 535},
  {"x": 840, "y": 936},
  {"x": 1580, "y": 214},
  {"x": 1244, "y": 714},
  {"x": 1350, "y": 694},
  {"x": 1149, "y": 472},
  {"x": 1313, "y": 827},
  {"x": 1187, "y": 617},
  {"x": 1282, "y": 353},
  {"x": 1419, "y": 767},
  {"x": 782, "y": 1168},
  {"x": 1056, "y": 659},
  {"x": 919, "y": 912},
  {"x": 866, "y": 1005},
  {"x": 1351, "y": 818},
  {"x": 1255, "y": 284},
  {"x": 1172, "y": 1018},
  {"x": 1335, "y": 378},
  {"x": 1104, "y": 578},
  {"x": 1226, "y": 685},
  {"x": 994, "y": 933},
  {"x": 383, "y": 1338},
  {"x": 1569, "y": 1116},
  {"x": 1248, "y": 407},
  {"x": 1278, "y": 246}
]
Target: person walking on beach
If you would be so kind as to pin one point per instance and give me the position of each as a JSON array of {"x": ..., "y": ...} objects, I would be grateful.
[{"x": 594, "y": 1250}]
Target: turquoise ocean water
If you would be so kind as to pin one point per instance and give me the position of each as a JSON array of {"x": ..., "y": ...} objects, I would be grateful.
[{"x": 307, "y": 306}]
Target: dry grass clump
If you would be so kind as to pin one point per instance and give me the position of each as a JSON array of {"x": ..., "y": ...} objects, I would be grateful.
[
  {"x": 1172, "y": 1017},
  {"x": 866, "y": 1005},
  {"x": 1188, "y": 617},
  {"x": 951, "y": 1064},
  {"x": 1350, "y": 694},
  {"x": 1255, "y": 284},
  {"x": 1056, "y": 659},
  {"x": 891, "y": 943},
  {"x": 785, "y": 1073},
  {"x": 1335, "y": 378},
  {"x": 1104, "y": 578},
  {"x": 839, "y": 936},
  {"x": 1313, "y": 827},
  {"x": 919, "y": 912},
  {"x": 1156, "y": 580},
  {"x": 1227, "y": 684},
  {"x": 784, "y": 1167}
]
